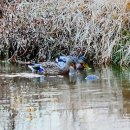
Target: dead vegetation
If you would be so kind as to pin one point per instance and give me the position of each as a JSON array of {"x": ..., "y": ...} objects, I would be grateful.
[{"x": 42, "y": 29}]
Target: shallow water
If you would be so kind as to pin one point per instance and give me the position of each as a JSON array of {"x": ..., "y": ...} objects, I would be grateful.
[{"x": 35, "y": 102}]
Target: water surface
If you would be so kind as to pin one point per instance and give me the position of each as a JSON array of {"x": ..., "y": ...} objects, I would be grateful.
[{"x": 32, "y": 102}]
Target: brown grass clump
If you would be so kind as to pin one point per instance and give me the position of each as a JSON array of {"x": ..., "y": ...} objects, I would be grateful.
[{"x": 43, "y": 29}]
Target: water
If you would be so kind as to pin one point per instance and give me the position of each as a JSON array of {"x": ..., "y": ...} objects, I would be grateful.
[{"x": 30, "y": 102}]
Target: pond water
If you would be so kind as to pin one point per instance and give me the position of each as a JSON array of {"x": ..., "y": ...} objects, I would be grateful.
[{"x": 32, "y": 102}]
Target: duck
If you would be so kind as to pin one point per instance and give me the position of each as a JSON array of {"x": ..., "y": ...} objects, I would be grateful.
[
  {"x": 71, "y": 64},
  {"x": 38, "y": 68},
  {"x": 65, "y": 63}
]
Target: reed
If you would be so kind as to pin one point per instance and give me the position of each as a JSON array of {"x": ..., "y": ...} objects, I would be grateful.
[{"x": 62, "y": 27}]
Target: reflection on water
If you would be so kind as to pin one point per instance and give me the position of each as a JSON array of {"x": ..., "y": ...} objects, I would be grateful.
[{"x": 31, "y": 102}]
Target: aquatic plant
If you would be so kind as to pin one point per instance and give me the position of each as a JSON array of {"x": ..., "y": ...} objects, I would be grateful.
[{"x": 41, "y": 30}]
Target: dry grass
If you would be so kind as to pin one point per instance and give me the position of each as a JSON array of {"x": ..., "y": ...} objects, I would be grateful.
[{"x": 93, "y": 25}]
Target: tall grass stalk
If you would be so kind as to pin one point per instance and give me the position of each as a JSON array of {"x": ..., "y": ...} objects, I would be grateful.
[{"x": 93, "y": 25}]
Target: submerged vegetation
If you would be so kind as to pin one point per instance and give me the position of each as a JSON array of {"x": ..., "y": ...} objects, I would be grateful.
[{"x": 43, "y": 29}]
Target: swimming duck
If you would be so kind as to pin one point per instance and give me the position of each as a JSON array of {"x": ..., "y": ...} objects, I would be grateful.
[
  {"x": 38, "y": 68},
  {"x": 68, "y": 64}
]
